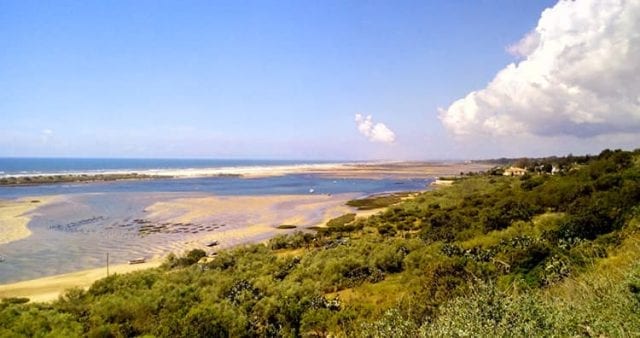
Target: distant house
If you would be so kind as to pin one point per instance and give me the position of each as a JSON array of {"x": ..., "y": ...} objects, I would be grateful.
[
  {"x": 555, "y": 170},
  {"x": 514, "y": 171}
]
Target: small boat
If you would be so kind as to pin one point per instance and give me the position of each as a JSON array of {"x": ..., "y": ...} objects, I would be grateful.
[
  {"x": 311, "y": 191},
  {"x": 214, "y": 243},
  {"x": 137, "y": 261},
  {"x": 2, "y": 259}
]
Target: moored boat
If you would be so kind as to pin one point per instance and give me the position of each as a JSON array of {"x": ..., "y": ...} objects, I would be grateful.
[{"x": 137, "y": 261}]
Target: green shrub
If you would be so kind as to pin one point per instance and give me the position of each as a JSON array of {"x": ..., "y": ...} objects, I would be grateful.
[{"x": 341, "y": 220}]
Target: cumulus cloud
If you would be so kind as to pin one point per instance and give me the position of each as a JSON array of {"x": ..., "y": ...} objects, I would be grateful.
[
  {"x": 578, "y": 74},
  {"x": 526, "y": 45},
  {"x": 375, "y": 132}
]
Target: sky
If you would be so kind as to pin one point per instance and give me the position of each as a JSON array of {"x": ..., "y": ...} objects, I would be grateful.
[{"x": 324, "y": 80}]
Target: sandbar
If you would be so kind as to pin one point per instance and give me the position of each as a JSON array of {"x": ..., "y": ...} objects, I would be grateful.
[
  {"x": 14, "y": 217},
  {"x": 336, "y": 170},
  {"x": 249, "y": 219},
  {"x": 241, "y": 219}
]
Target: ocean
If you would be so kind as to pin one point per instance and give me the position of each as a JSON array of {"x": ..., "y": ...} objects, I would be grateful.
[
  {"x": 221, "y": 185},
  {"x": 39, "y": 166},
  {"x": 91, "y": 219}
]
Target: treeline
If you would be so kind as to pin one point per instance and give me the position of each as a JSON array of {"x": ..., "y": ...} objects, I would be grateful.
[
  {"x": 73, "y": 178},
  {"x": 488, "y": 256},
  {"x": 545, "y": 164}
]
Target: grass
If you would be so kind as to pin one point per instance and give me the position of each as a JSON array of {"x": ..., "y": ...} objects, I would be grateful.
[
  {"x": 290, "y": 252},
  {"x": 341, "y": 220},
  {"x": 374, "y": 296},
  {"x": 377, "y": 202}
]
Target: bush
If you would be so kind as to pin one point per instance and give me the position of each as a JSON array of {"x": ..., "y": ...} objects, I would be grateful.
[
  {"x": 190, "y": 258},
  {"x": 341, "y": 220}
]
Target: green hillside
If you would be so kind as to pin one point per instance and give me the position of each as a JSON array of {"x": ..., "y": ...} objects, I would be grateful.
[{"x": 490, "y": 255}]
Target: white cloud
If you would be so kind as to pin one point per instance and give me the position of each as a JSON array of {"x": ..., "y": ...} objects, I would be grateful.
[
  {"x": 45, "y": 135},
  {"x": 377, "y": 132},
  {"x": 526, "y": 45},
  {"x": 579, "y": 76}
]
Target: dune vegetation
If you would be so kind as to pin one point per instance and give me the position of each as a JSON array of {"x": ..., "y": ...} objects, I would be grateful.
[
  {"x": 489, "y": 255},
  {"x": 74, "y": 178}
]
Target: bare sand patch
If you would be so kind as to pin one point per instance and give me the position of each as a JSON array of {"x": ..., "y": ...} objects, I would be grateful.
[
  {"x": 399, "y": 169},
  {"x": 374, "y": 170},
  {"x": 257, "y": 219},
  {"x": 14, "y": 217},
  {"x": 337, "y": 170},
  {"x": 50, "y": 288},
  {"x": 249, "y": 218}
]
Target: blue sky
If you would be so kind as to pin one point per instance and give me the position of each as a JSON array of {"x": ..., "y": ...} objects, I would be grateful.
[{"x": 249, "y": 79}]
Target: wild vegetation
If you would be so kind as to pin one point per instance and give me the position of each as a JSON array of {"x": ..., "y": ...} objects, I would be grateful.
[
  {"x": 379, "y": 201},
  {"x": 488, "y": 256},
  {"x": 73, "y": 178}
]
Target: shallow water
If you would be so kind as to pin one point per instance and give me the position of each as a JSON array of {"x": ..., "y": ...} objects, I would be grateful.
[
  {"x": 91, "y": 219},
  {"x": 278, "y": 185}
]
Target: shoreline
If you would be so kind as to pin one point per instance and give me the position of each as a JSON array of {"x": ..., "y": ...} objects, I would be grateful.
[
  {"x": 15, "y": 218},
  {"x": 251, "y": 219},
  {"x": 49, "y": 288},
  {"x": 371, "y": 170},
  {"x": 19, "y": 181}
]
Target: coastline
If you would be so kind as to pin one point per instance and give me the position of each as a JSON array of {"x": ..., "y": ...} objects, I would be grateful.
[
  {"x": 49, "y": 288},
  {"x": 14, "y": 218},
  {"x": 26, "y": 180},
  {"x": 249, "y": 219},
  {"x": 335, "y": 170}
]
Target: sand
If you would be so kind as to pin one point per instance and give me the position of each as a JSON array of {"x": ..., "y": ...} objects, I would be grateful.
[
  {"x": 250, "y": 218},
  {"x": 50, "y": 288},
  {"x": 14, "y": 217},
  {"x": 335, "y": 170},
  {"x": 373, "y": 170},
  {"x": 401, "y": 170},
  {"x": 247, "y": 219}
]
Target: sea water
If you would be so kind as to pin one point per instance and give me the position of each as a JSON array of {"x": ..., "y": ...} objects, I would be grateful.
[
  {"x": 39, "y": 166},
  {"x": 94, "y": 218}
]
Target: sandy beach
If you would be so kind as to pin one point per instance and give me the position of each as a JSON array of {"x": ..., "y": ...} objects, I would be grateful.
[
  {"x": 336, "y": 170},
  {"x": 248, "y": 219},
  {"x": 177, "y": 224},
  {"x": 14, "y": 217},
  {"x": 50, "y": 288},
  {"x": 251, "y": 219},
  {"x": 400, "y": 169},
  {"x": 339, "y": 170}
]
